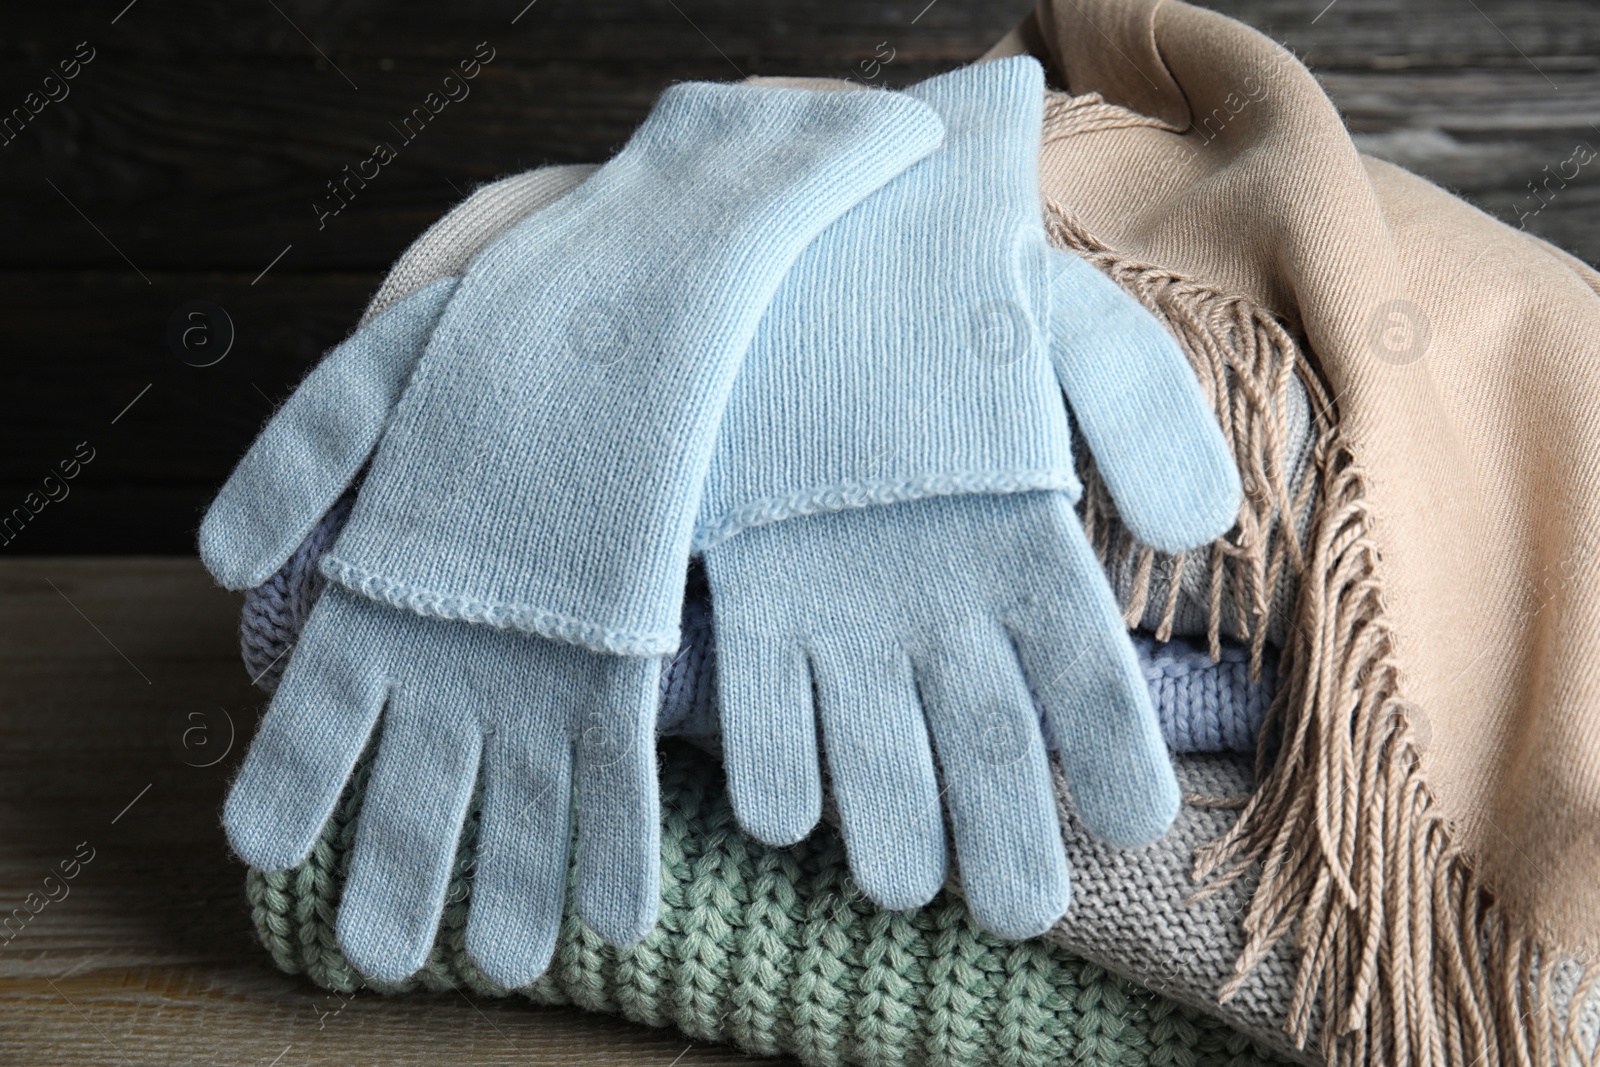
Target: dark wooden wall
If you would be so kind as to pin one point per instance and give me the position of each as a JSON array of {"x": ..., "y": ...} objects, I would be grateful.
[{"x": 189, "y": 154}]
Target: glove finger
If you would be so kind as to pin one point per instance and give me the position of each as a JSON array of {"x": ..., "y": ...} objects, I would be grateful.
[
  {"x": 1141, "y": 411},
  {"x": 619, "y": 802},
  {"x": 1077, "y": 653},
  {"x": 882, "y": 773},
  {"x": 311, "y": 737},
  {"x": 997, "y": 782},
  {"x": 316, "y": 443},
  {"x": 524, "y": 837},
  {"x": 410, "y": 822},
  {"x": 769, "y": 733}
]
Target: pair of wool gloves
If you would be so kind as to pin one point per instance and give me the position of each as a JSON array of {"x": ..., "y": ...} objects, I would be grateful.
[{"x": 818, "y": 338}]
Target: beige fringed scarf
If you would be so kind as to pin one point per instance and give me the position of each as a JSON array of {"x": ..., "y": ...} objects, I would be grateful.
[{"x": 1429, "y": 827}]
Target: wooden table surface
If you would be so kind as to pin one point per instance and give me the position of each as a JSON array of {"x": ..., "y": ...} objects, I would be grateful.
[{"x": 147, "y": 955}]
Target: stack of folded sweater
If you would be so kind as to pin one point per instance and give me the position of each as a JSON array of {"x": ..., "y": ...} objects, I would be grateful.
[{"x": 810, "y": 436}]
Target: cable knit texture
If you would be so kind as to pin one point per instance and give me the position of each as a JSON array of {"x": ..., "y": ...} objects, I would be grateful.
[
  {"x": 276, "y": 611},
  {"x": 1205, "y": 705},
  {"x": 776, "y": 952}
]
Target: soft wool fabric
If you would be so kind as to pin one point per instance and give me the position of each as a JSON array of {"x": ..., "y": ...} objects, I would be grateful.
[
  {"x": 599, "y": 312},
  {"x": 1140, "y": 914},
  {"x": 906, "y": 353},
  {"x": 496, "y": 208},
  {"x": 312, "y": 448},
  {"x": 932, "y": 646},
  {"x": 774, "y": 951},
  {"x": 1132, "y": 913},
  {"x": 629, "y": 303},
  {"x": 926, "y": 372},
  {"x": 449, "y": 245},
  {"x": 986, "y": 420},
  {"x": 451, "y": 242},
  {"x": 1186, "y": 949},
  {"x": 460, "y": 517},
  {"x": 1202, "y": 704},
  {"x": 445, "y": 249},
  {"x": 1441, "y": 793},
  {"x": 455, "y": 697},
  {"x": 915, "y": 348},
  {"x": 1175, "y": 599}
]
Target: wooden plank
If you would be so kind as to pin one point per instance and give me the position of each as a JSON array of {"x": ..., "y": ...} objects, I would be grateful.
[
  {"x": 149, "y": 957},
  {"x": 1556, "y": 35},
  {"x": 237, "y": 115},
  {"x": 208, "y": 1015},
  {"x": 84, "y": 345},
  {"x": 189, "y": 107}
]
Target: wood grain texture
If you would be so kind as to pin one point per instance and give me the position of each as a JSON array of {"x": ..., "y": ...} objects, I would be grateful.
[
  {"x": 192, "y": 150},
  {"x": 148, "y": 957}
]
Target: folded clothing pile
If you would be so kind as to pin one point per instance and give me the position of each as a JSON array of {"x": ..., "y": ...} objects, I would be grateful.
[
  {"x": 795, "y": 431},
  {"x": 1132, "y": 918},
  {"x": 777, "y": 952},
  {"x": 764, "y": 336}
]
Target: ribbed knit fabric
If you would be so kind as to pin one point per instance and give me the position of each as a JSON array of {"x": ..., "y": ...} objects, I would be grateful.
[
  {"x": 451, "y": 242},
  {"x": 1203, "y": 705},
  {"x": 774, "y": 951},
  {"x": 276, "y": 611},
  {"x": 503, "y": 490},
  {"x": 544, "y": 468},
  {"x": 913, "y": 361},
  {"x": 905, "y": 354},
  {"x": 929, "y": 365},
  {"x": 629, "y": 302}
]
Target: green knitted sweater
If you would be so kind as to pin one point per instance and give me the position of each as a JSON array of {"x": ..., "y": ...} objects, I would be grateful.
[{"x": 775, "y": 951}]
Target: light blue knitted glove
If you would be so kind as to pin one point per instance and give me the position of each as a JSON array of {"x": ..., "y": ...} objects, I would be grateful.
[
  {"x": 1204, "y": 705},
  {"x": 538, "y": 430},
  {"x": 915, "y": 357}
]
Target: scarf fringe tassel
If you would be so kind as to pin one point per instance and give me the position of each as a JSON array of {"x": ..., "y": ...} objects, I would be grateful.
[{"x": 1404, "y": 957}]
